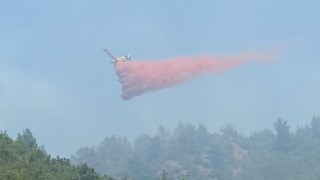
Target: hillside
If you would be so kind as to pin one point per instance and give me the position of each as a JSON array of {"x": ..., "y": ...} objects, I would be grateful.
[{"x": 189, "y": 150}]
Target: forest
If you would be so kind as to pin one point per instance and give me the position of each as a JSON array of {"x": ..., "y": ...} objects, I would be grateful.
[
  {"x": 191, "y": 152},
  {"x": 23, "y": 159}
]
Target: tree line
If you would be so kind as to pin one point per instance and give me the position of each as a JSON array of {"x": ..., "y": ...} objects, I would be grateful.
[{"x": 191, "y": 152}]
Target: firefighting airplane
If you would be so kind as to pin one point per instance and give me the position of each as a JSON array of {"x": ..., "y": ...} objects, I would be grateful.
[{"x": 118, "y": 59}]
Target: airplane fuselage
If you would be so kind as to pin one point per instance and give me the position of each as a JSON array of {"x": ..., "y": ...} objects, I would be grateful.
[{"x": 118, "y": 59}]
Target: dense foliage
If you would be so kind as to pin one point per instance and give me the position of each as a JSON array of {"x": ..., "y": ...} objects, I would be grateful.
[
  {"x": 194, "y": 153},
  {"x": 22, "y": 159}
]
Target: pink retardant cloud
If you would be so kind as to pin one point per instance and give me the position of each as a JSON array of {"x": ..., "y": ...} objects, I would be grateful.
[{"x": 138, "y": 77}]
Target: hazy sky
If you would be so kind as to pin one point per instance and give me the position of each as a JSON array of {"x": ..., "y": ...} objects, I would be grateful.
[{"x": 56, "y": 80}]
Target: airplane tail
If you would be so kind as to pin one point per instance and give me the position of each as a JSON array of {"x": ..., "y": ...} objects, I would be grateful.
[{"x": 129, "y": 56}]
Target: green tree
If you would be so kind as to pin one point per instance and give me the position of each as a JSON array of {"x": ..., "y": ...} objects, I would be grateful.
[
  {"x": 283, "y": 135},
  {"x": 28, "y": 139}
]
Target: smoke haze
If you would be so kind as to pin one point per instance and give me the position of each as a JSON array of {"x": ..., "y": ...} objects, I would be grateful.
[{"x": 138, "y": 77}]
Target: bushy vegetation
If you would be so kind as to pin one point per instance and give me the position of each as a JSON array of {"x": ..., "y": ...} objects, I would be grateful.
[
  {"x": 23, "y": 159},
  {"x": 194, "y": 153}
]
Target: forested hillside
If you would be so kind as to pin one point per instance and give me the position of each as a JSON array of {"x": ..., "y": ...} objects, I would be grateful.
[
  {"x": 277, "y": 154},
  {"x": 23, "y": 159}
]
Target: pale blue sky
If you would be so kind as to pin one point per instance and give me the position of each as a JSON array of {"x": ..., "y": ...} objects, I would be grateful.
[{"x": 56, "y": 80}]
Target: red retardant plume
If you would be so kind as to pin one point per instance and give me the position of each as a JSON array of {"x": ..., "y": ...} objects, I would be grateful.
[{"x": 137, "y": 77}]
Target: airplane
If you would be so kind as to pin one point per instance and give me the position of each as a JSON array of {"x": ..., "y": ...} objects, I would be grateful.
[{"x": 118, "y": 59}]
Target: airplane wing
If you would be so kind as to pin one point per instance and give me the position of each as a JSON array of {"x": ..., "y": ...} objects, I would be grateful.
[{"x": 106, "y": 50}]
